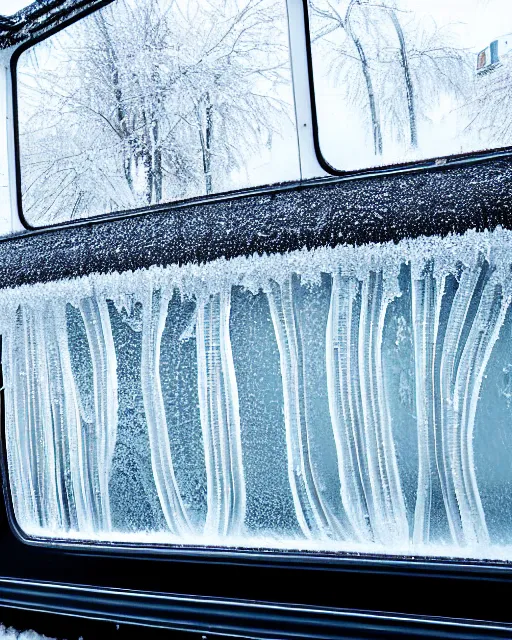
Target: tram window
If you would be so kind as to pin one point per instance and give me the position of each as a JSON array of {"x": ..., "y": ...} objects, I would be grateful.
[
  {"x": 146, "y": 102},
  {"x": 349, "y": 399},
  {"x": 410, "y": 80}
]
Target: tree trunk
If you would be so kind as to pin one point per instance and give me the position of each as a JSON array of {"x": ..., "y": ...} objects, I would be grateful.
[
  {"x": 372, "y": 102},
  {"x": 409, "y": 91},
  {"x": 121, "y": 114},
  {"x": 377, "y": 133},
  {"x": 206, "y": 144},
  {"x": 157, "y": 164},
  {"x": 151, "y": 153}
]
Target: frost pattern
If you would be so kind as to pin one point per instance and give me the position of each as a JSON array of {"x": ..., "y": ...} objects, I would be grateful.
[
  {"x": 154, "y": 317},
  {"x": 315, "y": 517},
  {"x": 364, "y": 487},
  {"x": 370, "y": 483},
  {"x": 99, "y": 435},
  {"x": 220, "y": 419}
]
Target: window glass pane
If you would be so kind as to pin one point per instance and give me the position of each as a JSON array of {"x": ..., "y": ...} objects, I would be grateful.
[
  {"x": 357, "y": 400},
  {"x": 405, "y": 80},
  {"x": 152, "y": 101}
]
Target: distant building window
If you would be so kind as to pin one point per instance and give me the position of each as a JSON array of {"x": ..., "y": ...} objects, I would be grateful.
[
  {"x": 152, "y": 101},
  {"x": 482, "y": 59}
]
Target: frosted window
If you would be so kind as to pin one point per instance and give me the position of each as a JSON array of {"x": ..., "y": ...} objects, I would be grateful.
[
  {"x": 350, "y": 399},
  {"x": 150, "y": 101},
  {"x": 407, "y": 80}
]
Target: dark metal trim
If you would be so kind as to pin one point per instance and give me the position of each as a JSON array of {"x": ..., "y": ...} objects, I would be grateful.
[
  {"x": 37, "y": 18},
  {"x": 232, "y": 617},
  {"x": 7, "y": 24}
]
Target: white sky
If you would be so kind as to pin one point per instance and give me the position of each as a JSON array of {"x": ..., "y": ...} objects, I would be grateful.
[
  {"x": 9, "y": 7},
  {"x": 477, "y": 22}
]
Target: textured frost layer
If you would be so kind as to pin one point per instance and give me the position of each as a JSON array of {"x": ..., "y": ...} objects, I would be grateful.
[{"x": 347, "y": 399}]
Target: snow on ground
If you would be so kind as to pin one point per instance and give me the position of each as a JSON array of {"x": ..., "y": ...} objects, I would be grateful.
[{"x": 12, "y": 634}]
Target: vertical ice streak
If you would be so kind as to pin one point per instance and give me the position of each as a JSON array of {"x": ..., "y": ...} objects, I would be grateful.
[
  {"x": 388, "y": 505},
  {"x": 99, "y": 437},
  {"x": 220, "y": 418},
  {"x": 19, "y": 455},
  {"x": 50, "y": 508},
  {"x": 345, "y": 404},
  {"x": 33, "y": 434},
  {"x": 155, "y": 308},
  {"x": 41, "y": 405},
  {"x": 446, "y": 432},
  {"x": 449, "y": 371},
  {"x": 313, "y": 513},
  {"x": 67, "y": 435},
  {"x": 426, "y": 297},
  {"x": 370, "y": 482},
  {"x": 468, "y": 379}
]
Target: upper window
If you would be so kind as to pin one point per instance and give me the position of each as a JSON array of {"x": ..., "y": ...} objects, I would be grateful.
[
  {"x": 408, "y": 80},
  {"x": 151, "y": 101}
]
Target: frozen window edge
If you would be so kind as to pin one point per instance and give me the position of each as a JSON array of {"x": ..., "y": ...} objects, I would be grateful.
[{"x": 255, "y": 272}]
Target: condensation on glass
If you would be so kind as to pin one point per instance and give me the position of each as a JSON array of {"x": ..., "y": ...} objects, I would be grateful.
[
  {"x": 151, "y": 101},
  {"x": 348, "y": 399},
  {"x": 408, "y": 80}
]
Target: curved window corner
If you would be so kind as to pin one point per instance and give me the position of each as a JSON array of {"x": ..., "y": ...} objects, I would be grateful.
[
  {"x": 355, "y": 399},
  {"x": 149, "y": 102},
  {"x": 408, "y": 81}
]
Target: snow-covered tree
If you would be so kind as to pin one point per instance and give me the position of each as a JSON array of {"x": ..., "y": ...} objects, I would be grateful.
[
  {"x": 347, "y": 35},
  {"x": 393, "y": 66},
  {"x": 145, "y": 102}
]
